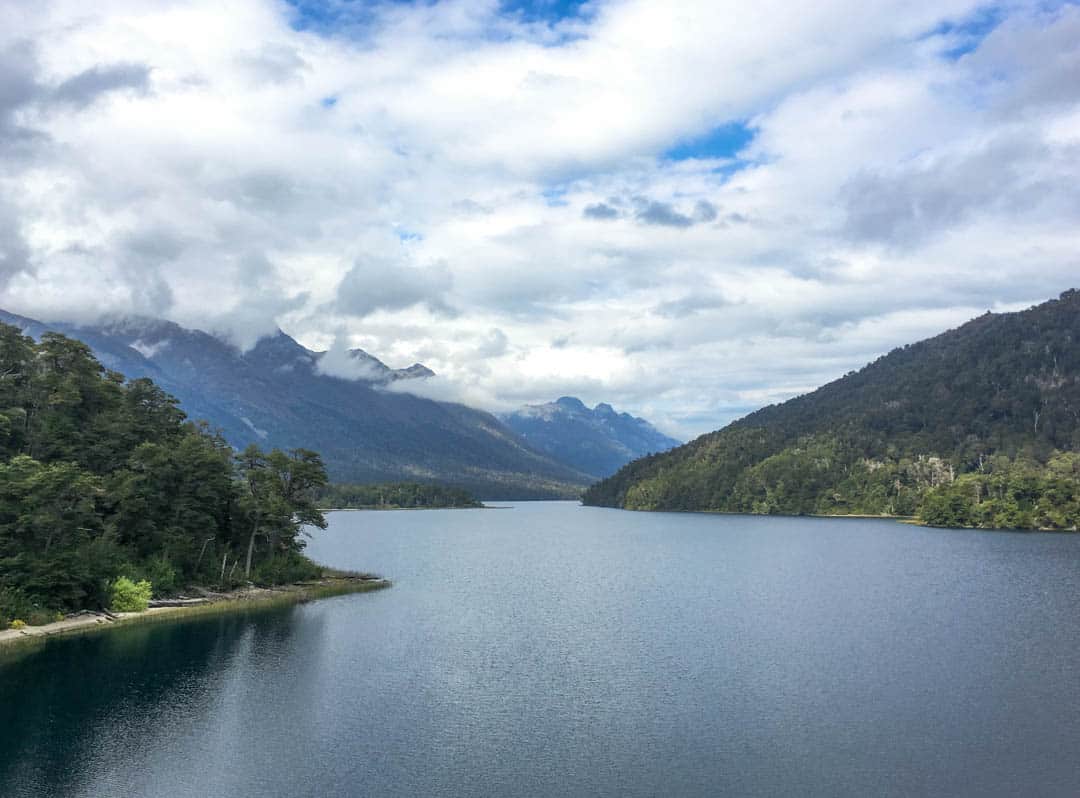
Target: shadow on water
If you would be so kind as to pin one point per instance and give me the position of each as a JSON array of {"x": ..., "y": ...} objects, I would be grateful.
[{"x": 74, "y": 707}]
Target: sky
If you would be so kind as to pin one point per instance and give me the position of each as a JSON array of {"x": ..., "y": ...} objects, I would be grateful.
[{"x": 687, "y": 210}]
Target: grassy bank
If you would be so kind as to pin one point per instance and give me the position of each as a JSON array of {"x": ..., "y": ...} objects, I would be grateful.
[{"x": 244, "y": 600}]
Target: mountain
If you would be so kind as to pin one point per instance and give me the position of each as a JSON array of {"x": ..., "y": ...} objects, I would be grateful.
[
  {"x": 367, "y": 430},
  {"x": 975, "y": 419},
  {"x": 597, "y": 442}
]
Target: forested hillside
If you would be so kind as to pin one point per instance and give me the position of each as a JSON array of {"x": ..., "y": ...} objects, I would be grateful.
[
  {"x": 103, "y": 478},
  {"x": 978, "y": 426}
]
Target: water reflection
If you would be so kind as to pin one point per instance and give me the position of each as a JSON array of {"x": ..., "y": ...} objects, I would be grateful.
[{"x": 95, "y": 709}]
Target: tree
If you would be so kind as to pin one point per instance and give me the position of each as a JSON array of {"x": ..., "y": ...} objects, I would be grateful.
[{"x": 278, "y": 500}]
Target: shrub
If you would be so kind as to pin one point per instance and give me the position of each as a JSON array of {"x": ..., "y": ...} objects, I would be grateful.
[
  {"x": 40, "y": 617},
  {"x": 286, "y": 569},
  {"x": 128, "y": 596},
  {"x": 163, "y": 576},
  {"x": 18, "y": 624},
  {"x": 13, "y": 604}
]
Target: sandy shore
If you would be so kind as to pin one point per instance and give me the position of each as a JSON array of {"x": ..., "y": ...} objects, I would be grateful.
[{"x": 174, "y": 609}]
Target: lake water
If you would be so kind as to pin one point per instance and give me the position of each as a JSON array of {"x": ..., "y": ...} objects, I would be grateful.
[{"x": 556, "y": 650}]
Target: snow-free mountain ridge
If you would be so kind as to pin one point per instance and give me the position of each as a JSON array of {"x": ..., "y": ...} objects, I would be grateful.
[{"x": 597, "y": 441}]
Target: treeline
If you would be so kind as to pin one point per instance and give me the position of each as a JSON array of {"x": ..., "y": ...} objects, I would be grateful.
[
  {"x": 818, "y": 477},
  {"x": 395, "y": 495},
  {"x": 976, "y": 427},
  {"x": 1021, "y": 494},
  {"x": 102, "y": 478}
]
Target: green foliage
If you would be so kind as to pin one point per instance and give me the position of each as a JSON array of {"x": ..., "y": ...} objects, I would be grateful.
[
  {"x": 1023, "y": 494},
  {"x": 976, "y": 427},
  {"x": 101, "y": 477},
  {"x": 287, "y": 568},
  {"x": 14, "y": 603},
  {"x": 128, "y": 596},
  {"x": 394, "y": 495}
]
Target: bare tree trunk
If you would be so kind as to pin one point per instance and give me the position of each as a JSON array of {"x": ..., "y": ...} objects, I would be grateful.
[
  {"x": 202, "y": 551},
  {"x": 251, "y": 548}
]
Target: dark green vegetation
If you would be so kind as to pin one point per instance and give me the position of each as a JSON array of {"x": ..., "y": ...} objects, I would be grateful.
[
  {"x": 979, "y": 426},
  {"x": 102, "y": 478},
  {"x": 596, "y": 441},
  {"x": 393, "y": 496},
  {"x": 366, "y": 429}
]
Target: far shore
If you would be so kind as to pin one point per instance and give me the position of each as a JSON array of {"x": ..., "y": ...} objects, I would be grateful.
[
  {"x": 903, "y": 519},
  {"x": 374, "y": 508},
  {"x": 206, "y": 604}
]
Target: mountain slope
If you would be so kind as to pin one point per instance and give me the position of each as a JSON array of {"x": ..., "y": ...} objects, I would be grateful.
[
  {"x": 598, "y": 441},
  {"x": 999, "y": 390},
  {"x": 274, "y": 395}
]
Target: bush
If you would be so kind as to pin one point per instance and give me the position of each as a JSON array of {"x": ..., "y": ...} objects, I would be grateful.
[
  {"x": 18, "y": 624},
  {"x": 285, "y": 569},
  {"x": 163, "y": 576},
  {"x": 158, "y": 571},
  {"x": 40, "y": 617},
  {"x": 128, "y": 596},
  {"x": 13, "y": 604}
]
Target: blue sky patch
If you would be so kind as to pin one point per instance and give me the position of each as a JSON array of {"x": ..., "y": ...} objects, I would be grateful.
[
  {"x": 339, "y": 16},
  {"x": 550, "y": 11},
  {"x": 555, "y": 196},
  {"x": 968, "y": 33},
  {"x": 725, "y": 141}
]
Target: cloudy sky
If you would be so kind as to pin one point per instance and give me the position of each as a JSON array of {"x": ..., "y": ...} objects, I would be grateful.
[{"x": 685, "y": 209}]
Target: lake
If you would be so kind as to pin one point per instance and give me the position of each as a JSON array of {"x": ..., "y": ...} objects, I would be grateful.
[{"x": 552, "y": 649}]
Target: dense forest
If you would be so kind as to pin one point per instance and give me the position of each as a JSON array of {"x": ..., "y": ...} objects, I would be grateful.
[
  {"x": 104, "y": 483},
  {"x": 979, "y": 426},
  {"x": 393, "y": 496}
]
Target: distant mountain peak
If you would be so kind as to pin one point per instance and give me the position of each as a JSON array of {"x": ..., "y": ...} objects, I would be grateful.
[
  {"x": 597, "y": 441},
  {"x": 572, "y": 403},
  {"x": 415, "y": 371}
]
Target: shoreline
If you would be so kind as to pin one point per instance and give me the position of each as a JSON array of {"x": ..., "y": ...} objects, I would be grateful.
[
  {"x": 911, "y": 520},
  {"x": 254, "y": 598},
  {"x": 374, "y": 509}
]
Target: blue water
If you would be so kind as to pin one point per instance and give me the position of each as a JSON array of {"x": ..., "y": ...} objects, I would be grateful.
[{"x": 551, "y": 649}]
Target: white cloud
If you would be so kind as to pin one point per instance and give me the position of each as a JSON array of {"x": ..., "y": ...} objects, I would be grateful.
[{"x": 437, "y": 182}]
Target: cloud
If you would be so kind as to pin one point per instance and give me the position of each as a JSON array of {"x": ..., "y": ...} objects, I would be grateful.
[
  {"x": 381, "y": 284},
  {"x": 704, "y": 211},
  {"x": 19, "y": 88},
  {"x": 1012, "y": 174},
  {"x": 274, "y": 64},
  {"x": 772, "y": 222},
  {"x": 340, "y": 361},
  {"x": 662, "y": 213},
  {"x": 84, "y": 88},
  {"x": 653, "y": 212},
  {"x": 600, "y": 210},
  {"x": 14, "y": 252}
]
